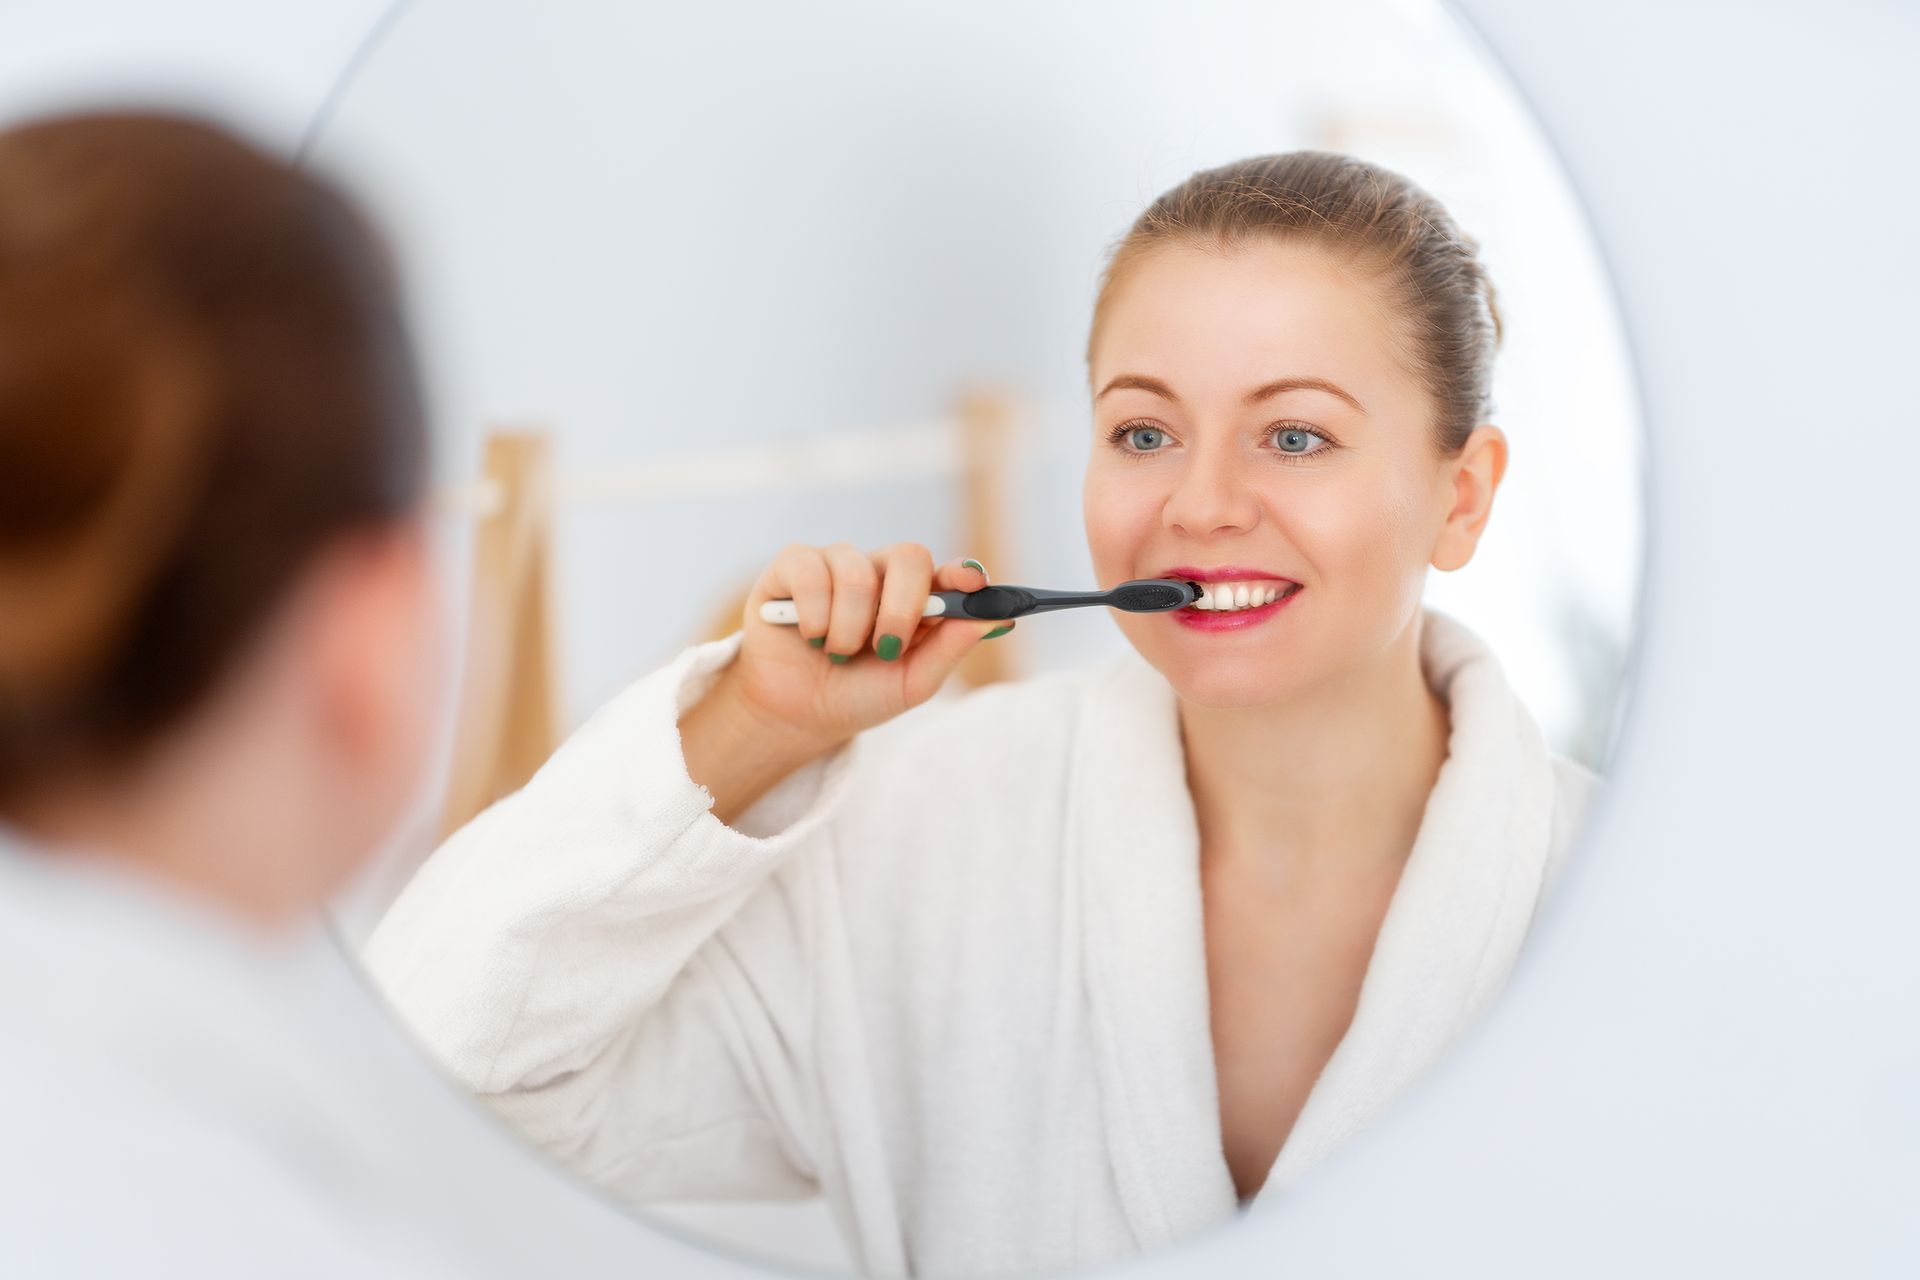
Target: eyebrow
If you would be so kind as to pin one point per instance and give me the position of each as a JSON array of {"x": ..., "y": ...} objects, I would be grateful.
[{"x": 1141, "y": 382}]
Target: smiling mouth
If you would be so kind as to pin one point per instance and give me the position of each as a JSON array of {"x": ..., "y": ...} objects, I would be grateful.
[{"x": 1234, "y": 597}]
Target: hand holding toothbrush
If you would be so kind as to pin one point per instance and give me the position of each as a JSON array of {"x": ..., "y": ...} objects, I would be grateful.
[
  {"x": 882, "y": 632},
  {"x": 862, "y": 652}
]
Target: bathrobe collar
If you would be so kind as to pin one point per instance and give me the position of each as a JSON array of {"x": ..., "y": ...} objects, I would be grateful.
[{"x": 1450, "y": 933}]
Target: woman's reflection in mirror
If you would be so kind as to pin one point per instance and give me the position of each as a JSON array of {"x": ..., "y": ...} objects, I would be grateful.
[{"x": 1067, "y": 967}]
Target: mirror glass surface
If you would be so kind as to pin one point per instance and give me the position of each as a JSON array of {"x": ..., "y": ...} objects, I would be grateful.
[{"x": 740, "y": 268}]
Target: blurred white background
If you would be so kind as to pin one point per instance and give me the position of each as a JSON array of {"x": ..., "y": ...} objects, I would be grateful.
[{"x": 266, "y": 68}]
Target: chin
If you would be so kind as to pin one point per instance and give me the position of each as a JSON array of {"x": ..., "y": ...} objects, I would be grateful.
[
  {"x": 1227, "y": 677},
  {"x": 1225, "y": 686}
]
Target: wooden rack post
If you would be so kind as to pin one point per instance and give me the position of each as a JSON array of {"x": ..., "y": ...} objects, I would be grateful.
[
  {"x": 509, "y": 708},
  {"x": 986, "y": 431}
]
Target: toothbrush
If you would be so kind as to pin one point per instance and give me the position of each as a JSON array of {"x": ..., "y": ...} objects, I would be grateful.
[{"x": 998, "y": 604}]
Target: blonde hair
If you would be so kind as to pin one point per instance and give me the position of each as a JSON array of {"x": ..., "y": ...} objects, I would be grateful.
[{"x": 1376, "y": 218}]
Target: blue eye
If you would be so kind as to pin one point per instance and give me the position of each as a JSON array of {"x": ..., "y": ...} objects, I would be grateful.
[
  {"x": 1296, "y": 440},
  {"x": 1146, "y": 439}
]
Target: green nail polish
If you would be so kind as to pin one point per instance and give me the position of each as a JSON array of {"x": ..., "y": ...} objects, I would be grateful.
[
  {"x": 997, "y": 631},
  {"x": 975, "y": 564},
  {"x": 818, "y": 642},
  {"x": 888, "y": 648},
  {"x": 837, "y": 658}
]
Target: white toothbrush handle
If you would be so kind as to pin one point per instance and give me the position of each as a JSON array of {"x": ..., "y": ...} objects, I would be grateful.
[{"x": 781, "y": 613}]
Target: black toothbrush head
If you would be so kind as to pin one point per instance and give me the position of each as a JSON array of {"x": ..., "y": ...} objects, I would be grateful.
[{"x": 1153, "y": 595}]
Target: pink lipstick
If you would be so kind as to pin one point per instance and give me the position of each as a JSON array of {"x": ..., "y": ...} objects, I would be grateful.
[{"x": 1228, "y": 586}]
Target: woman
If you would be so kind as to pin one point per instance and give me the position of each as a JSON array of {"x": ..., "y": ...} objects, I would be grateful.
[
  {"x": 216, "y": 637},
  {"x": 1066, "y": 968}
]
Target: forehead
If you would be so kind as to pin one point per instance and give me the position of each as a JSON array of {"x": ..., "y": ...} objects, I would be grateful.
[{"x": 1214, "y": 322}]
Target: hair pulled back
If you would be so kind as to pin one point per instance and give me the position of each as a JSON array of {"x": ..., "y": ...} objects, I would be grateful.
[{"x": 1375, "y": 218}]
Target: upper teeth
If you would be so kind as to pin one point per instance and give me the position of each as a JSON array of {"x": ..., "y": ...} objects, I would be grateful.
[{"x": 1223, "y": 596}]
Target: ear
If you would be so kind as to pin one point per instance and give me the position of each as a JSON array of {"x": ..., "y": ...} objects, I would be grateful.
[
  {"x": 1472, "y": 478},
  {"x": 371, "y": 676}
]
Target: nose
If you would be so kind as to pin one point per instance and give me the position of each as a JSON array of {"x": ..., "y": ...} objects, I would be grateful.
[{"x": 1212, "y": 496}]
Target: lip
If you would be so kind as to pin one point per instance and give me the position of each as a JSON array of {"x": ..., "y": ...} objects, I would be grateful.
[
  {"x": 1239, "y": 619},
  {"x": 1226, "y": 573}
]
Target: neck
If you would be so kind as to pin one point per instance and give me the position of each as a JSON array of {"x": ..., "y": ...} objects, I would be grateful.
[
  {"x": 1336, "y": 776},
  {"x": 200, "y": 825}
]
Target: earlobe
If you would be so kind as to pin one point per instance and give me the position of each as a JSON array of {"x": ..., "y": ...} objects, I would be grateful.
[{"x": 1475, "y": 477}]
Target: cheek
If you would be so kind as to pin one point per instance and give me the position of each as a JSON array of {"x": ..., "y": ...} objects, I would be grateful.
[
  {"x": 1365, "y": 532},
  {"x": 1120, "y": 514}
]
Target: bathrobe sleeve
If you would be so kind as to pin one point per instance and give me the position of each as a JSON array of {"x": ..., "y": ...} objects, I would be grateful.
[{"x": 617, "y": 974}]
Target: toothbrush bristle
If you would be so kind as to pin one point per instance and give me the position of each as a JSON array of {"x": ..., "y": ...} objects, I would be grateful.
[{"x": 1157, "y": 596}]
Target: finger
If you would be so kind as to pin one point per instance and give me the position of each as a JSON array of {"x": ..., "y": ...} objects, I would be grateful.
[
  {"x": 954, "y": 575},
  {"x": 906, "y": 570},
  {"x": 799, "y": 573},
  {"x": 960, "y": 575},
  {"x": 939, "y": 652},
  {"x": 856, "y": 594}
]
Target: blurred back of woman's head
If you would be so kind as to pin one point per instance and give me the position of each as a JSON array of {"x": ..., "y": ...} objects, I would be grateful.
[{"x": 207, "y": 396}]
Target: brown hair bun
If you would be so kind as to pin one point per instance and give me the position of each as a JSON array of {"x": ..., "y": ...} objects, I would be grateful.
[{"x": 204, "y": 376}]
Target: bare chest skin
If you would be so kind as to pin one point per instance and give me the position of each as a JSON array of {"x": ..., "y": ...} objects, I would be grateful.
[{"x": 1284, "y": 965}]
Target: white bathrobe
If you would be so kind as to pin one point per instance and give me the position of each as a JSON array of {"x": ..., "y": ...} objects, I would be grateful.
[
  {"x": 952, "y": 975},
  {"x": 181, "y": 1095}
]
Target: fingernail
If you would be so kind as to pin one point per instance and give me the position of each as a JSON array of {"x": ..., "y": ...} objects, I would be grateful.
[
  {"x": 975, "y": 564},
  {"x": 837, "y": 658},
  {"x": 888, "y": 648},
  {"x": 818, "y": 642},
  {"x": 997, "y": 631}
]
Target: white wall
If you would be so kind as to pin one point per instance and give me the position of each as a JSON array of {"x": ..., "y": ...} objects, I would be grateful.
[{"x": 264, "y": 67}]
